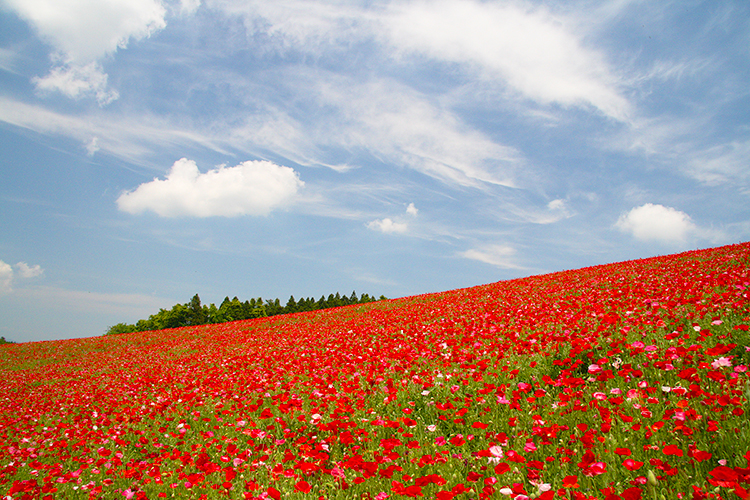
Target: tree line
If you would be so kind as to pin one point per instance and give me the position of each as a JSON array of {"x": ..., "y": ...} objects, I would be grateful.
[{"x": 194, "y": 313}]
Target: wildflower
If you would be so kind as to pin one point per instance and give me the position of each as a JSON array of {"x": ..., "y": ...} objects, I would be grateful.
[
  {"x": 338, "y": 472},
  {"x": 721, "y": 362},
  {"x": 303, "y": 486},
  {"x": 631, "y": 464},
  {"x": 497, "y": 452}
]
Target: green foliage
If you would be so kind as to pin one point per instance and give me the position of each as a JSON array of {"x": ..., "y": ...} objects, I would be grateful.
[
  {"x": 120, "y": 328},
  {"x": 194, "y": 313},
  {"x": 3, "y": 341}
]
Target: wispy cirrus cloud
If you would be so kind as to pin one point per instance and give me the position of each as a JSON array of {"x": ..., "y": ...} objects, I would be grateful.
[
  {"x": 498, "y": 255},
  {"x": 528, "y": 48}
]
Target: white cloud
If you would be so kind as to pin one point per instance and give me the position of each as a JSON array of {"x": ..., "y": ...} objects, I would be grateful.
[
  {"x": 308, "y": 25},
  {"x": 127, "y": 137},
  {"x": 651, "y": 222},
  {"x": 388, "y": 226},
  {"x": 76, "y": 82},
  {"x": 496, "y": 255},
  {"x": 93, "y": 146},
  {"x": 556, "y": 205},
  {"x": 412, "y": 210},
  {"x": 83, "y": 32},
  {"x": 250, "y": 188},
  {"x": 188, "y": 7},
  {"x": 721, "y": 164},
  {"x": 533, "y": 52},
  {"x": 6, "y": 278},
  {"x": 403, "y": 126},
  {"x": 27, "y": 271},
  {"x": 87, "y": 30}
]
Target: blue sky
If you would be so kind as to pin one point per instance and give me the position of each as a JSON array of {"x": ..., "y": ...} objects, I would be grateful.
[{"x": 153, "y": 149}]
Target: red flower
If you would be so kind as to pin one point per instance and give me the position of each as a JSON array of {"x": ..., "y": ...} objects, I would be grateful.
[
  {"x": 274, "y": 493},
  {"x": 501, "y": 468},
  {"x": 570, "y": 482},
  {"x": 631, "y": 464},
  {"x": 303, "y": 486},
  {"x": 673, "y": 450}
]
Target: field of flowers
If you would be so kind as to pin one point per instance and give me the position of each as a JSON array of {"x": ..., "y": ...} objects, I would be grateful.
[{"x": 626, "y": 380}]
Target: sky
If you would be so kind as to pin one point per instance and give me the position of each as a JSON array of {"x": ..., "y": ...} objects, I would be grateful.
[{"x": 155, "y": 149}]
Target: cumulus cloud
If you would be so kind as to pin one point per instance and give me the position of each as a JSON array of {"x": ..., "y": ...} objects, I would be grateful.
[
  {"x": 387, "y": 225},
  {"x": 556, "y": 205},
  {"x": 83, "y": 32},
  {"x": 533, "y": 52},
  {"x": 8, "y": 276},
  {"x": 250, "y": 188},
  {"x": 87, "y": 30},
  {"x": 77, "y": 82},
  {"x": 496, "y": 255},
  {"x": 651, "y": 222},
  {"x": 27, "y": 271},
  {"x": 93, "y": 146}
]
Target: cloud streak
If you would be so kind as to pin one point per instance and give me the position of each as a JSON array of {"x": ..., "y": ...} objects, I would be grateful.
[
  {"x": 502, "y": 256},
  {"x": 530, "y": 50}
]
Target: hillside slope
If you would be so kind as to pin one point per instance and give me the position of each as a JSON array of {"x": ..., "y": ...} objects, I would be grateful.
[{"x": 626, "y": 380}]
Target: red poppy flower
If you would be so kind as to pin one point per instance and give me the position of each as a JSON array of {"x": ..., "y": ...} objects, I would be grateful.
[{"x": 631, "y": 464}]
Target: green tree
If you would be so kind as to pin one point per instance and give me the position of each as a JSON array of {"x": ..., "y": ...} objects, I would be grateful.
[
  {"x": 274, "y": 307},
  {"x": 196, "y": 313},
  {"x": 119, "y": 328},
  {"x": 291, "y": 305}
]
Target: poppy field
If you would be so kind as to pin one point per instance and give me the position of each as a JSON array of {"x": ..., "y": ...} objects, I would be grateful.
[{"x": 627, "y": 380}]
